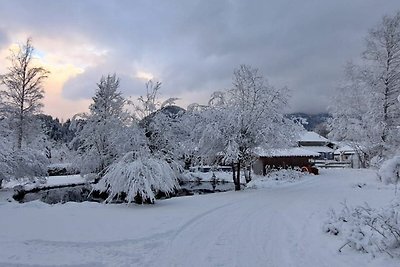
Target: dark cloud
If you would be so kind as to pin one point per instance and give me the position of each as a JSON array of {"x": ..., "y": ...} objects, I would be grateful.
[{"x": 194, "y": 46}]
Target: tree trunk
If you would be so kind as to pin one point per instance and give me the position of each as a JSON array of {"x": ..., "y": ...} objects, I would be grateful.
[
  {"x": 385, "y": 112},
  {"x": 233, "y": 174},
  {"x": 237, "y": 184},
  {"x": 20, "y": 132},
  {"x": 248, "y": 174}
]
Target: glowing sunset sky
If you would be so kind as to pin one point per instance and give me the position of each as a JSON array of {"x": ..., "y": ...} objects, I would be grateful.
[{"x": 192, "y": 47}]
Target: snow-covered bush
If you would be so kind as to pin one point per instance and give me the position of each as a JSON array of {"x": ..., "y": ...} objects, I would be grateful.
[
  {"x": 30, "y": 163},
  {"x": 25, "y": 163},
  {"x": 366, "y": 229},
  {"x": 138, "y": 178},
  {"x": 283, "y": 175},
  {"x": 66, "y": 168},
  {"x": 389, "y": 171},
  {"x": 6, "y": 161}
]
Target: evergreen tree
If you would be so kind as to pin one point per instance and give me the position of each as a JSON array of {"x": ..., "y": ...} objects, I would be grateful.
[{"x": 98, "y": 137}]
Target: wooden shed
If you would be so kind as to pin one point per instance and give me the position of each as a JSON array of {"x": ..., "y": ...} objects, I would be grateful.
[{"x": 283, "y": 158}]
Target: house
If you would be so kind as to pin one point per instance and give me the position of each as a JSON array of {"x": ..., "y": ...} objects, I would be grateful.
[
  {"x": 282, "y": 158},
  {"x": 344, "y": 153},
  {"x": 316, "y": 143}
]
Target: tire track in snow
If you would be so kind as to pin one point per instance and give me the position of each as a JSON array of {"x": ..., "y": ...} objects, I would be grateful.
[
  {"x": 110, "y": 253},
  {"x": 210, "y": 234}
]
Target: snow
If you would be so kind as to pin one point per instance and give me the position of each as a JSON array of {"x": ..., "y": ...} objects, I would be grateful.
[
  {"x": 208, "y": 176},
  {"x": 317, "y": 149},
  {"x": 344, "y": 149},
  {"x": 278, "y": 225},
  {"x": 60, "y": 165},
  {"x": 275, "y": 178},
  {"x": 312, "y": 137},
  {"x": 389, "y": 172},
  {"x": 64, "y": 180},
  {"x": 286, "y": 152},
  {"x": 50, "y": 181}
]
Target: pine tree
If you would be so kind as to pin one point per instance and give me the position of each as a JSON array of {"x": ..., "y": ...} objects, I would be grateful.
[{"x": 98, "y": 137}]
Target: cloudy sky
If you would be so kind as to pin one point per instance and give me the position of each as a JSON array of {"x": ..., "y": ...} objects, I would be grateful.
[{"x": 192, "y": 47}]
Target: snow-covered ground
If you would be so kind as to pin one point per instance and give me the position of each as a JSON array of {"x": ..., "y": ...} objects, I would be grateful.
[{"x": 277, "y": 225}]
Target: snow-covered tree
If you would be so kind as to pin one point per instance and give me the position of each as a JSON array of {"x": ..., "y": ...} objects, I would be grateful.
[
  {"x": 148, "y": 149},
  {"x": 192, "y": 133},
  {"x": 6, "y": 161},
  {"x": 23, "y": 90},
  {"x": 28, "y": 162},
  {"x": 161, "y": 122},
  {"x": 247, "y": 116},
  {"x": 366, "y": 111},
  {"x": 383, "y": 56},
  {"x": 150, "y": 103},
  {"x": 23, "y": 142},
  {"x": 99, "y": 135},
  {"x": 389, "y": 172},
  {"x": 352, "y": 119},
  {"x": 138, "y": 177}
]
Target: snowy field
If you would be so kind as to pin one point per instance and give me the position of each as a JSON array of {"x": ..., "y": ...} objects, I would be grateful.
[{"x": 279, "y": 224}]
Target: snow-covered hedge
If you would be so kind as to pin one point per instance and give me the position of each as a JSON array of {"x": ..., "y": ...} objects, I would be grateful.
[
  {"x": 138, "y": 176},
  {"x": 366, "y": 229},
  {"x": 389, "y": 171}
]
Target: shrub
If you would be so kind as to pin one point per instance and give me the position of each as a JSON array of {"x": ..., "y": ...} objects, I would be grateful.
[{"x": 367, "y": 229}]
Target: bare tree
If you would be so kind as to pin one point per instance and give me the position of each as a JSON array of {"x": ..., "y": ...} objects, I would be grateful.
[
  {"x": 150, "y": 103},
  {"x": 23, "y": 90},
  {"x": 366, "y": 112},
  {"x": 383, "y": 53}
]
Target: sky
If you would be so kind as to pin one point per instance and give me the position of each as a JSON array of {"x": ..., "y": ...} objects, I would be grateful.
[{"x": 192, "y": 47}]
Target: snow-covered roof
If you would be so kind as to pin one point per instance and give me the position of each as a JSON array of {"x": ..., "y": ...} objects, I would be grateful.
[
  {"x": 320, "y": 149},
  {"x": 286, "y": 152},
  {"x": 312, "y": 137},
  {"x": 345, "y": 149}
]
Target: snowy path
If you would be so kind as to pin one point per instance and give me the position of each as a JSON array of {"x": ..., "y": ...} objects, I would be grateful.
[{"x": 277, "y": 226}]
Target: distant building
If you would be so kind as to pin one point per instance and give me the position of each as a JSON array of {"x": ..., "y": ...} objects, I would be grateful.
[
  {"x": 312, "y": 149},
  {"x": 282, "y": 158},
  {"x": 316, "y": 143},
  {"x": 347, "y": 154},
  {"x": 344, "y": 153}
]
